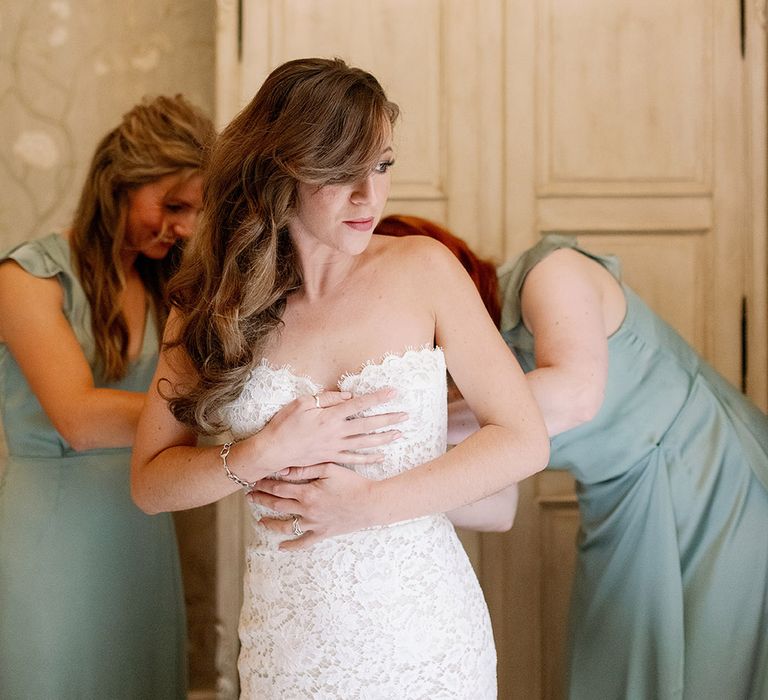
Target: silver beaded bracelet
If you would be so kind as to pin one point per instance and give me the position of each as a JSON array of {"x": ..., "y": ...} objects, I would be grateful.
[{"x": 247, "y": 485}]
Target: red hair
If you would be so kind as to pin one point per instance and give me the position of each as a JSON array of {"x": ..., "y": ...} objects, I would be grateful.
[{"x": 482, "y": 272}]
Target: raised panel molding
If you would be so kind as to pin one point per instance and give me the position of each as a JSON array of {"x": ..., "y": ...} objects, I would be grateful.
[
  {"x": 668, "y": 270},
  {"x": 227, "y": 90},
  {"x": 450, "y": 138},
  {"x": 559, "y": 525},
  {"x": 407, "y": 58},
  {"x": 625, "y": 214},
  {"x": 757, "y": 246},
  {"x": 607, "y": 122},
  {"x": 475, "y": 91}
]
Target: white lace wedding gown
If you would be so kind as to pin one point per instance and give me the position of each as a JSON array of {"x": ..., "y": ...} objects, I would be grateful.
[{"x": 390, "y": 613}]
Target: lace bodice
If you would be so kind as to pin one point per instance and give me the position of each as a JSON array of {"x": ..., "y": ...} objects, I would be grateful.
[
  {"x": 417, "y": 375},
  {"x": 388, "y": 612}
]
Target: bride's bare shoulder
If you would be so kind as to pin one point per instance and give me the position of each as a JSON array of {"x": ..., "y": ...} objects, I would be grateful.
[{"x": 409, "y": 252}]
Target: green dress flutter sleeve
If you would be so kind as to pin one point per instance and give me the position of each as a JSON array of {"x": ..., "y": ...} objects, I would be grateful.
[
  {"x": 670, "y": 596},
  {"x": 91, "y": 600}
]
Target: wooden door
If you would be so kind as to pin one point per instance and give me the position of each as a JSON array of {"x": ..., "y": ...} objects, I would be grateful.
[
  {"x": 626, "y": 123},
  {"x": 628, "y": 127}
]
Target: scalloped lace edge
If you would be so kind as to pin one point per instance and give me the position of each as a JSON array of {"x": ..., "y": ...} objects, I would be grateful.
[{"x": 385, "y": 359}]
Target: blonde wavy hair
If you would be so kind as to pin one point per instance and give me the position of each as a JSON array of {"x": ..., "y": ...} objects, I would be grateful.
[
  {"x": 315, "y": 121},
  {"x": 158, "y": 137}
]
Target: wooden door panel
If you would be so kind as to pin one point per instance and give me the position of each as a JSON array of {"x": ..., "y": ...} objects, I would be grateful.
[
  {"x": 404, "y": 56},
  {"x": 634, "y": 146},
  {"x": 668, "y": 271},
  {"x": 559, "y": 525},
  {"x": 526, "y": 575},
  {"x": 450, "y": 137},
  {"x": 624, "y": 96}
]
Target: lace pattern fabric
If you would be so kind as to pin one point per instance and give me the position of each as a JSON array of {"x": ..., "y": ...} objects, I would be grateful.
[{"x": 388, "y": 612}]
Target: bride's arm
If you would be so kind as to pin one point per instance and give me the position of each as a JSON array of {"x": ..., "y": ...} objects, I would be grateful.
[
  {"x": 169, "y": 471},
  {"x": 510, "y": 445}
]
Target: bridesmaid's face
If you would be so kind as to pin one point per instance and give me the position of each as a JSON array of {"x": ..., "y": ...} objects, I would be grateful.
[{"x": 161, "y": 212}]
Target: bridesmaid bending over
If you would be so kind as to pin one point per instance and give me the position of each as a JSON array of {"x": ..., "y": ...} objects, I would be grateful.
[{"x": 670, "y": 597}]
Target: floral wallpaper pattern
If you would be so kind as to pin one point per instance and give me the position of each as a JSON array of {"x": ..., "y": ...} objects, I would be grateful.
[{"x": 68, "y": 71}]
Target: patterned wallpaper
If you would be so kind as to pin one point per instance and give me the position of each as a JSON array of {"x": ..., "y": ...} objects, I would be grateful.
[{"x": 68, "y": 70}]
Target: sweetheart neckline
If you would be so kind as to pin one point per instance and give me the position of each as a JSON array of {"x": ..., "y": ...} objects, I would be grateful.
[{"x": 386, "y": 359}]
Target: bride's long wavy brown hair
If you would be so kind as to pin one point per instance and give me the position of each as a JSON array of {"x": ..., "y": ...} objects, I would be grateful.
[
  {"x": 315, "y": 121},
  {"x": 156, "y": 138}
]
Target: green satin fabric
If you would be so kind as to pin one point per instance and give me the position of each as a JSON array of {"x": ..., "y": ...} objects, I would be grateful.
[
  {"x": 91, "y": 602},
  {"x": 670, "y": 596}
]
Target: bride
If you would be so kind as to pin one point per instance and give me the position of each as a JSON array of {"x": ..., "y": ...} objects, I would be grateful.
[{"x": 313, "y": 342}]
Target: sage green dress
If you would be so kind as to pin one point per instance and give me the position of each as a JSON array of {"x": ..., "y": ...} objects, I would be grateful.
[
  {"x": 91, "y": 603},
  {"x": 670, "y": 596}
]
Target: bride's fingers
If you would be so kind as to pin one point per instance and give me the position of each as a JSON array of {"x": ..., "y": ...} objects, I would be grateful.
[
  {"x": 275, "y": 503},
  {"x": 306, "y": 540},
  {"x": 360, "y": 442},
  {"x": 368, "y": 424},
  {"x": 315, "y": 471},
  {"x": 279, "y": 526},
  {"x": 358, "y": 404},
  {"x": 285, "y": 527},
  {"x": 327, "y": 399},
  {"x": 274, "y": 525},
  {"x": 331, "y": 399}
]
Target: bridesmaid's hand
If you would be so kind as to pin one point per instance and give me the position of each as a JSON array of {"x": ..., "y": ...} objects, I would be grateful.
[
  {"x": 328, "y": 500},
  {"x": 302, "y": 434}
]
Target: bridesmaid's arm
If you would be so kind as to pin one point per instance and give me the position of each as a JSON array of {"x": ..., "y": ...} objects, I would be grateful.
[
  {"x": 41, "y": 340},
  {"x": 495, "y": 513},
  {"x": 570, "y": 304}
]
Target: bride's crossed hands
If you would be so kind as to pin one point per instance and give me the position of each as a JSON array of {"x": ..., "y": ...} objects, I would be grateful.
[
  {"x": 316, "y": 502},
  {"x": 328, "y": 427}
]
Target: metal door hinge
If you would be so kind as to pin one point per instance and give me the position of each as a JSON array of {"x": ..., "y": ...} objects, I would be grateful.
[
  {"x": 743, "y": 27},
  {"x": 744, "y": 344}
]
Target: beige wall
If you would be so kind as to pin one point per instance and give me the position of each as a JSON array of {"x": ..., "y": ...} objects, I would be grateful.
[{"x": 68, "y": 70}]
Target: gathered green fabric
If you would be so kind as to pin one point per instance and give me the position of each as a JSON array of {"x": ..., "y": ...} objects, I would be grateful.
[
  {"x": 670, "y": 595},
  {"x": 91, "y": 602}
]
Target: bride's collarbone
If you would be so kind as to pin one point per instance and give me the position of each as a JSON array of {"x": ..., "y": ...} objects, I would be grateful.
[
  {"x": 338, "y": 351},
  {"x": 355, "y": 320},
  {"x": 326, "y": 339}
]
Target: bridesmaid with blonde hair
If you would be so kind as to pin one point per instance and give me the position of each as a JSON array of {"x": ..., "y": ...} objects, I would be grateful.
[{"x": 91, "y": 597}]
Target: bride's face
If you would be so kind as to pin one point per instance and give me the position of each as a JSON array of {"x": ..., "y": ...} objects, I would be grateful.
[{"x": 342, "y": 216}]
